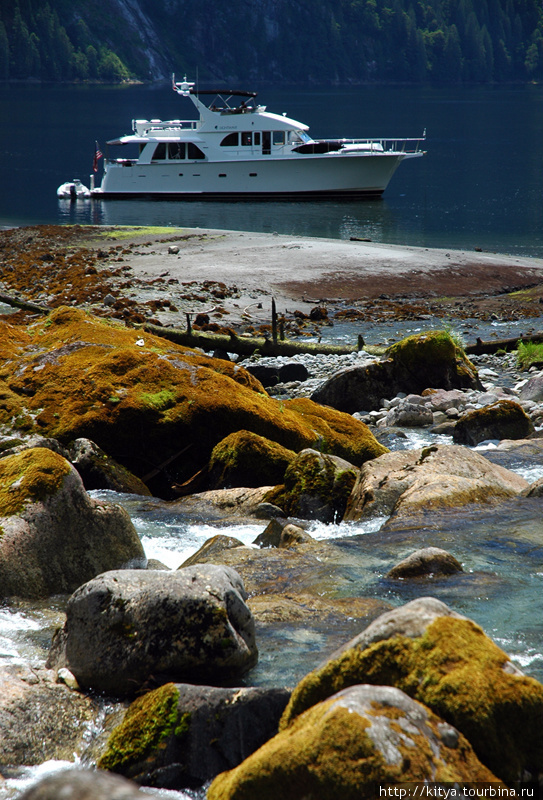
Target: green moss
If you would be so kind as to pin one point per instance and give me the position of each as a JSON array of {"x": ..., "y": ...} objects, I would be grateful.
[
  {"x": 129, "y": 231},
  {"x": 312, "y": 475},
  {"x": 147, "y": 725},
  {"x": 183, "y": 725},
  {"x": 246, "y": 459},
  {"x": 457, "y": 671},
  {"x": 329, "y": 752},
  {"x": 28, "y": 477},
  {"x": 434, "y": 345},
  {"x": 158, "y": 400}
]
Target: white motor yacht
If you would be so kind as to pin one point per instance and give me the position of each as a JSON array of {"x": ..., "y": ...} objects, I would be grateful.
[{"x": 238, "y": 148}]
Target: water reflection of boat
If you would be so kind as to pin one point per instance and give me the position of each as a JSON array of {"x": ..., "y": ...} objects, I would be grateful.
[{"x": 238, "y": 148}]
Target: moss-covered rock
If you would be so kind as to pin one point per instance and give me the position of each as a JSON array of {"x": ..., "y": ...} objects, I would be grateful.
[
  {"x": 53, "y": 537},
  {"x": 316, "y": 486},
  {"x": 502, "y": 420},
  {"x": 28, "y": 477},
  {"x": 447, "y": 663},
  {"x": 432, "y": 360},
  {"x": 147, "y": 725},
  {"x": 358, "y": 739},
  {"x": 246, "y": 459},
  {"x": 418, "y": 362},
  {"x": 156, "y": 407},
  {"x": 182, "y": 735}
]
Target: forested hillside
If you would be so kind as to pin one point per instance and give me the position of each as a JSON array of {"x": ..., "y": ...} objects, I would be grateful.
[{"x": 292, "y": 41}]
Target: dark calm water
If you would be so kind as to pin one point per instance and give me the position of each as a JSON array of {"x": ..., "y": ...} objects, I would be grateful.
[{"x": 480, "y": 185}]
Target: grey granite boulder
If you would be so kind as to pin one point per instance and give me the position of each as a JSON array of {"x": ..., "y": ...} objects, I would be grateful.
[
  {"x": 129, "y": 629},
  {"x": 409, "y": 483}
]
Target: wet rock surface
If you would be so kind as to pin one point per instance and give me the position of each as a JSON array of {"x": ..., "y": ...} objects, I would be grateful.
[{"x": 126, "y": 630}]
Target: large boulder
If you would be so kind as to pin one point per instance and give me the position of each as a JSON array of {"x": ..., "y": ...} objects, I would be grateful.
[
  {"x": 422, "y": 361},
  {"x": 431, "y": 360},
  {"x": 156, "y": 407},
  {"x": 359, "y": 388},
  {"x": 407, "y": 483},
  {"x": 357, "y": 739},
  {"x": 54, "y": 537},
  {"x": 316, "y": 486},
  {"x": 184, "y": 735},
  {"x": 130, "y": 629},
  {"x": 502, "y": 420},
  {"x": 446, "y": 662}
]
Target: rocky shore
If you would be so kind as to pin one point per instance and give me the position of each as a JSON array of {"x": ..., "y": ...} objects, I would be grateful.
[{"x": 149, "y": 675}]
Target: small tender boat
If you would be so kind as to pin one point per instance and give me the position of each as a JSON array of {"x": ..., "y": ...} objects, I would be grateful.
[
  {"x": 73, "y": 190},
  {"x": 238, "y": 148}
]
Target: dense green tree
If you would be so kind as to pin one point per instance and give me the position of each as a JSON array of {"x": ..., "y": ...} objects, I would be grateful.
[{"x": 298, "y": 40}]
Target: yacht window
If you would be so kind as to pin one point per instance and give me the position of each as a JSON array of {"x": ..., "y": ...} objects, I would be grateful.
[
  {"x": 176, "y": 150},
  {"x": 278, "y": 137},
  {"x": 257, "y": 138},
  {"x": 305, "y": 137},
  {"x": 160, "y": 152},
  {"x": 193, "y": 151},
  {"x": 297, "y": 136},
  {"x": 230, "y": 141},
  {"x": 246, "y": 138}
]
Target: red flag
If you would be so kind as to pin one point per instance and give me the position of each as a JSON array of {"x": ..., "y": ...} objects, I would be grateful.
[{"x": 97, "y": 156}]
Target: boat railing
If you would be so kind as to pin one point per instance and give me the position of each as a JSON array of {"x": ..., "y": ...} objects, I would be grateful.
[
  {"x": 146, "y": 126},
  {"x": 409, "y": 145}
]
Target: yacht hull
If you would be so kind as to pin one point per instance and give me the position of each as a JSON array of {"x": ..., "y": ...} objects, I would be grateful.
[{"x": 347, "y": 175}]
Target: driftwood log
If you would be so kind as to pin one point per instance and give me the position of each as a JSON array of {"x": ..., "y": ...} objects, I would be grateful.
[
  {"x": 480, "y": 347},
  {"x": 26, "y": 305},
  {"x": 247, "y": 345}
]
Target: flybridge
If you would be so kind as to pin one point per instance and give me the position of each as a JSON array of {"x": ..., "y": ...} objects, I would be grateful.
[{"x": 224, "y": 96}]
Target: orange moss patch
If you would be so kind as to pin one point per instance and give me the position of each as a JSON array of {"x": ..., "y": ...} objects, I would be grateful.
[
  {"x": 458, "y": 672},
  {"x": 328, "y": 752},
  {"x": 30, "y": 476},
  {"x": 147, "y": 401},
  {"x": 337, "y": 433}
]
